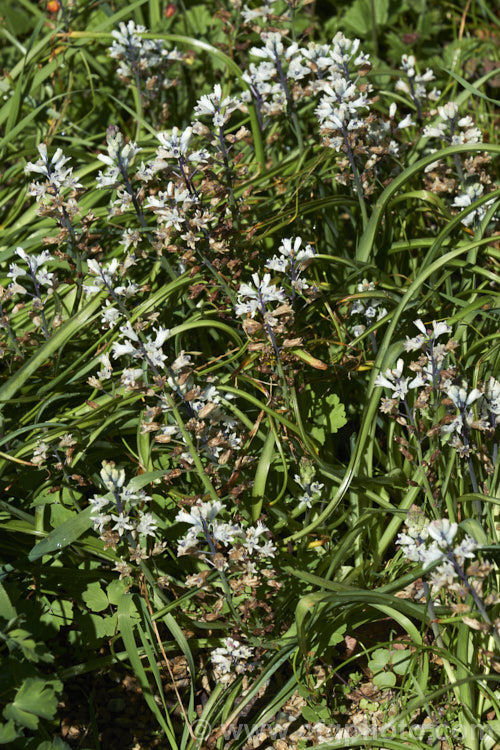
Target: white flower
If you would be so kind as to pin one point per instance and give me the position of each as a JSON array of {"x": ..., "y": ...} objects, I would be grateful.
[
  {"x": 492, "y": 396},
  {"x": 214, "y": 104},
  {"x": 449, "y": 111},
  {"x": 182, "y": 360},
  {"x": 358, "y": 330},
  {"x": 406, "y": 122},
  {"x": 460, "y": 397},
  {"x": 472, "y": 193},
  {"x": 100, "y": 520},
  {"x": 112, "y": 477},
  {"x": 123, "y": 523},
  {"x": 232, "y": 655},
  {"x": 174, "y": 145},
  {"x": 443, "y": 576},
  {"x": 466, "y": 199},
  {"x": 117, "y": 159},
  {"x": 130, "y": 376},
  {"x": 443, "y": 531},
  {"x": 98, "y": 502},
  {"x": 253, "y": 533},
  {"x": 434, "y": 131},
  {"x": 412, "y": 345},
  {"x": 221, "y": 660},
  {"x": 225, "y": 533},
  {"x": 440, "y": 328},
  {"x": 120, "y": 350},
  {"x": 53, "y": 169},
  {"x": 294, "y": 252},
  {"x": 430, "y": 554},
  {"x": 147, "y": 525},
  {"x": 200, "y": 513},
  {"x": 278, "y": 263},
  {"x": 267, "y": 549},
  {"x": 392, "y": 379},
  {"x": 106, "y": 371},
  {"x": 249, "y": 14},
  {"x": 253, "y": 298},
  {"x": 466, "y": 548},
  {"x": 426, "y": 335},
  {"x": 312, "y": 491},
  {"x": 110, "y": 315},
  {"x": 456, "y": 425},
  {"x": 187, "y": 543}
]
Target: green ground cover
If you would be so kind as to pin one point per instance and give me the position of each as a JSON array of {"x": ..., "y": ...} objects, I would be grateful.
[{"x": 249, "y": 384}]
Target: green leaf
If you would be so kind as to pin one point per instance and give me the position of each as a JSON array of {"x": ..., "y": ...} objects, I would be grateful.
[
  {"x": 337, "y": 636},
  {"x": 325, "y": 414},
  {"x": 67, "y": 533},
  {"x": 31, "y": 650},
  {"x": 8, "y": 732},
  {"x": 473, "y": 89},
  {"x": 361, "y": 14},
  {"x": 115, "y": 590},
  {"x": 127, "y": 624},
  {"x": 95, "y": 598},
  {"x": 57, "y": 341},
  {"x": 58, "y": 612},
  {"x": 199, "y": 20},
  {"x": 261, "y": 475},
  {"x": 380, "y": 659},
  {"x": 400, "y": 660},
  {"x": 384, "y": 680},
  {"x": 56, "y": 744},
  {"x": 6, "y": 608},
  {"x": 311, "y": 714},
  {"x": 34, "y": 700},
  {"x": 105, "y": 627}
]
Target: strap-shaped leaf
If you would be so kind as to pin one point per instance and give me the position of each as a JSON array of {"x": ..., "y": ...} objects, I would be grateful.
[
  {"x": 61, "y": 336},
  {"x": 67, "y": 533}
]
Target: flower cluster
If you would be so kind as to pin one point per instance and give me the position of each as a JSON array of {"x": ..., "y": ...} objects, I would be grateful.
[
  {"x": 465, "y": 199},
  {"x": 187, "y": 207},
  {"x": 254, "y": 298},
  {"x": 443, "y": 405},
  {"x": 369, "y": 309},
  {"x": 57, "y": 174},
  {"x": 206, "y": 527},
  {"x": 108, "y": 278},
  {"x": 292, "y": 260},
  {"x": 143, "y": 62},
  {"x": 416, "y": 84},
  {"x": 264, "y": 12},
  {"x": 231, "y": 659},
  {"x": 216, "y": 106},
  {"x": 39, "y": 275},
  {"x": 428, "y": 367},
  {"x": 120, "y": 517},
  {"x": 288, "y": 73},
  {"x": 42, "y": 451},
  {"x": 311, "y": 491},
  {"x": 56, "y": 193},
  {"x": 43, "y": 283},
  {"x": 338, "y": 112},
  {"x": 269, "y": 308},
  {"x": 434, "y": 545},
  {"x": 216, "y": 434},
  {"x": 118, "y": 159},
  {"x": 453, "y": 129}
]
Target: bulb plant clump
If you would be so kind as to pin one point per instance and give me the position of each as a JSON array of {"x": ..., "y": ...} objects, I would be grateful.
[{"x": 250, "y": 375}]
